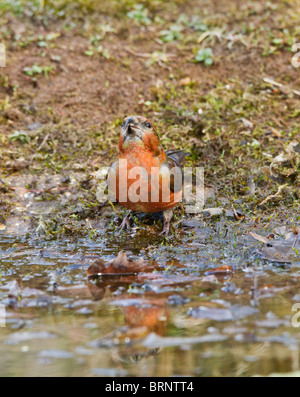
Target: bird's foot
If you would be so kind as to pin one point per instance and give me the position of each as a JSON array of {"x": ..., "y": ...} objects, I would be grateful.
[
  {"x": 166, "y": 229},
  {"x": 168, "y": 214},
  {"x": 125, "y": 223}
]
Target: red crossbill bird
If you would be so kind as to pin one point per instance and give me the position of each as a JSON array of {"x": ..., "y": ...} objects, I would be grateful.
[{"x": 145, "y": 177}]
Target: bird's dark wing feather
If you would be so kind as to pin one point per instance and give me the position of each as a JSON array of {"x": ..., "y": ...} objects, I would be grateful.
[
  {"x": 176, "y": 175},
  {"x": 177, "y": 155},
  {"x": 175, "y": 158}
]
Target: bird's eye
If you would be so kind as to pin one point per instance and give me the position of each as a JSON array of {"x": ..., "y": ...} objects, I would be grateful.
[{"x": 147, "y": 124}]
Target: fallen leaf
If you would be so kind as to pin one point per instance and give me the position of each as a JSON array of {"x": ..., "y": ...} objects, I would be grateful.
[
  {"x": 260, "y": 238},
  {"x": 247, "y": 123},
  {"x": 286, "y": 164},
  {"x": 116, "y": 267},
  {"x": 284, "y": 249}
]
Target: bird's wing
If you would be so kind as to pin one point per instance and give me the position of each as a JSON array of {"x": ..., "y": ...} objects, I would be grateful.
[
  {"x": 175, "y": 158},
  {"x": 177, "y": 155},
  {"x": 171, "y": 170}
]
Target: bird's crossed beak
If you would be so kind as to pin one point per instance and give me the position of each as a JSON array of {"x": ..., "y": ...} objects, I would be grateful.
[{"x": 131, "y": 128}]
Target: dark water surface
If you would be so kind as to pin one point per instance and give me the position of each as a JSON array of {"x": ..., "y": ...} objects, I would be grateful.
[{"x": 174, "y": 318}]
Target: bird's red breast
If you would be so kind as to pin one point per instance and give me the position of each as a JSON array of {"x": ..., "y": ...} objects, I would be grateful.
[{"x": 142, "y": 171}]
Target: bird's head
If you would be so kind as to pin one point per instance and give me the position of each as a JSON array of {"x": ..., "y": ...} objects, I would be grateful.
[{"x": 139, "y": 132}]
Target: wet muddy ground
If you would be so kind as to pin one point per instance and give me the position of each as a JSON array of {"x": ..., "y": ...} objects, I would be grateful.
[
  {"x": 220, "y": 295},
  {"x": 203, "y": 303}
]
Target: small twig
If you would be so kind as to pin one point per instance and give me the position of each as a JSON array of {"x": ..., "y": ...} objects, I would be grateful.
[
  {"x": 281, "y": 187},
  {"x": 43, "y": 143},
  {"x": 272, "y": 82},
  {"x": 144, "y": 55},
  {"x": 280, "y": 85},
  {"x": 137, "y": 54},
  {"x": 207, "y": 34}
]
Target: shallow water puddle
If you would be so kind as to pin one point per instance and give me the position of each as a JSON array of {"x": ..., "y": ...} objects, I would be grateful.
[{"x": 201, "y": 304}]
